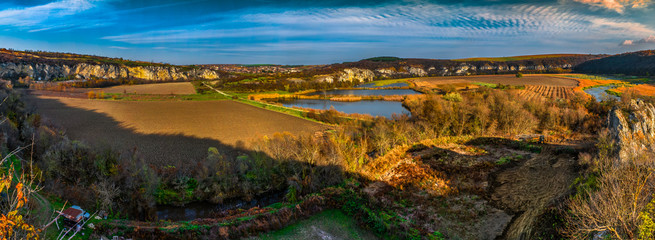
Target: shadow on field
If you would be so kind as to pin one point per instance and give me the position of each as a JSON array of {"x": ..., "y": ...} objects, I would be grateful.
[{"x": 102, "y": 131}]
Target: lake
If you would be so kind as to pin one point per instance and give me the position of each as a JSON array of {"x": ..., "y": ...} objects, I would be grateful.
[{"x": 371, "y": 107}]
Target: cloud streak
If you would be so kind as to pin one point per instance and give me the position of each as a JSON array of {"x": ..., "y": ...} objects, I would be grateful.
[
  {"x": 617, "y": 5},
  {"x": 32, "y": 16}
]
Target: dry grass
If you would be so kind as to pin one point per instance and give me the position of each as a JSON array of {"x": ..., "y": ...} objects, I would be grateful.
[
  {"x": 167, "y": 130},
  {"x": 584, "y": 83},
  {"x": 178, "y": 88},
  {"x": 527, "y": 79},
  {"x": 641, "y": 89},
  {"x": 346, "y": 99}
]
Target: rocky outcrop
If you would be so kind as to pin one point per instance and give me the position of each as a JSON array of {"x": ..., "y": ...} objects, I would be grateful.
[
  {"x": 416, "y": 71},
  {"x": 368, "y": 72},
  {"x": 635, "y": 133},
  {"x": 47, "y": 72},
  {"x": 356, "y": 74},
  {"x": 324, "y": 78}
]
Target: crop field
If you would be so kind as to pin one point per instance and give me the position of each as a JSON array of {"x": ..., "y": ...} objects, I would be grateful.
[
  {"x": 547, "y": 92},
  {"x": 527, "y": 79},
  {"x": 177, "y": 88},
  {"x": 167, "y": 130}
]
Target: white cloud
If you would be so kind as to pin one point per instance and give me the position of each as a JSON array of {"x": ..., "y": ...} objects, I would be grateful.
[
  {"x": 617, "y": 5},
  {"x": 118, "y": 47},
  {"x": 650, "y": 39},
  {"x": 32, "y": 16},
  {"x": 627, "y": 42}
]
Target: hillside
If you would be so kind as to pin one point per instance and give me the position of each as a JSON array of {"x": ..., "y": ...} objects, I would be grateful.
[
  {"x": 635, "y": 63},
  {"x": 50, "y": 66},
  {"x": 392, "y": 67}
]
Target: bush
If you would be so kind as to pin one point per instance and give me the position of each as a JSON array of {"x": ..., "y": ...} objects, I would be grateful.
[{"x": 453, "y": 97}]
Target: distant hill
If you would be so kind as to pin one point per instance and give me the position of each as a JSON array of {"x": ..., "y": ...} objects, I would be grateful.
[
  {"x": 441, "y": 67},
  {"x": 640, "y": 63},
  {"x": 521, "y": 58}
]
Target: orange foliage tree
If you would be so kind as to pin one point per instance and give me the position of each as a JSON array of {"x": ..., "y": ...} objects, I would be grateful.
[{"x": 12, "y": 211}]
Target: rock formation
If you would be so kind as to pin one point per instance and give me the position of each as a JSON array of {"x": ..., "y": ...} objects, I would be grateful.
[
  {"x": 635, "y": 133},
  {"x": 47, "y": 72}
]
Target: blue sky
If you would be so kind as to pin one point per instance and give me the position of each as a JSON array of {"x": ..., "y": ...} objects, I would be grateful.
[{"x": 323, "y": 32}]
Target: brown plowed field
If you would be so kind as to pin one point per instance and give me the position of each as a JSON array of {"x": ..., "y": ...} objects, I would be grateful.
[
  {"x": 531, "y": 92},
  {"x": 166, "y": 131},
  {"x": 180, "y": 88},
  {"x": 527, "y": 79}
]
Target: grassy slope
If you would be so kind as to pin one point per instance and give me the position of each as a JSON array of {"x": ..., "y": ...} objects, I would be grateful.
[
  {"x": 81, "y": 58},
  {"x": 329, "y": 223}
]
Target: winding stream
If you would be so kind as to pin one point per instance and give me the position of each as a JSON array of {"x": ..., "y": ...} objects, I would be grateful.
[{"x": 599, "y": 92}]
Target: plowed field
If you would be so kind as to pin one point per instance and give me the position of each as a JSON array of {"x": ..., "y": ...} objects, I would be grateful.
[{"x": 166, "y": 131}]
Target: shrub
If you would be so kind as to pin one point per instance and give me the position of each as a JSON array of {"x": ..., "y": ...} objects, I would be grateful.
[
  {"x": 453, "y": 97},
  {"x": 647, "y": 226}
]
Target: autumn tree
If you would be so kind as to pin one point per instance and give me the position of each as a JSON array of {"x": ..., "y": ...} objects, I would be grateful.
[{"x": 15, "y": 192}]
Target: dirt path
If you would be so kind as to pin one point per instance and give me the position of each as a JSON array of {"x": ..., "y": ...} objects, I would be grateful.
[
  {"x": 216, "y": 90},
  {"x": 528, "y": 188}
]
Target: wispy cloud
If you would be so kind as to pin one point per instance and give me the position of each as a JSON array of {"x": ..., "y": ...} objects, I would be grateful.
[
  {"x": 118, "y": 47},
  {"x": 617, "y": 5},
  {"x": 35, "y": 15},
  {"x": 619, "y": 27},
  {"x": 650, "y": 39},
  {"x": 426, "y": 21}
]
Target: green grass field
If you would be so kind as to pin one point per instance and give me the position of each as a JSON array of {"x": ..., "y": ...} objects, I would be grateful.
[
  {"x": 489, "y": 85},
  {"x": 329, "y": 224},
  {"x": 382, "y": 83}
]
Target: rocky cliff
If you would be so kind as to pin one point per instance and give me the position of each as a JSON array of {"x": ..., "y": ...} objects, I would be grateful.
[
  {"x": 47, "y": 72},
  {"x": 46, "y": 66},
  {"x": 634, "y": 132}
]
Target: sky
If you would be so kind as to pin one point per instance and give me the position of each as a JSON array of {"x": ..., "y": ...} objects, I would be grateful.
[{"x": 324, "y": 32}]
